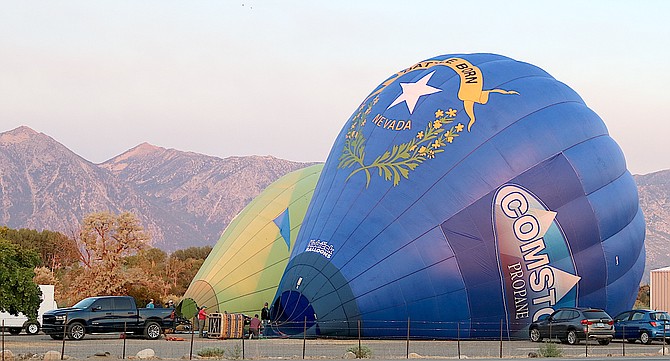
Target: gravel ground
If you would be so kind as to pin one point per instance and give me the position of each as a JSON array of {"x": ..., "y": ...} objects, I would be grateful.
[{"x": 314, "y": 349}]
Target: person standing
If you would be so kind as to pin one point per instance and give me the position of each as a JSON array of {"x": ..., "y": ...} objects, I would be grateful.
[
  {"x": 265, "y": 318},
  {"x": 202, "y": 317},
  {"x": 150, "y": 304},
  {"x": 254, "y": 327}
]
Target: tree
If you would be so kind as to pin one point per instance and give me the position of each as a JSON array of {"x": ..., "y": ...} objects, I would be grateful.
[
  {"x": 182, "y": 266},
  {"x": 104, "y": 240},
  {"x": 55, "y": 249},
  {"x": 149, "y": 262},
  {"x": 192, "y": 252},
  {"x": 642, "y": 300},
  {"x": 18, "y": 292},
  {"x": 44, "y": 276},
  {"x": 147, "y": 259},
  {"x": 169, "y": 275}
]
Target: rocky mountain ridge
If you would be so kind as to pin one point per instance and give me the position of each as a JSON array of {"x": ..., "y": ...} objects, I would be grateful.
[
  {"x": 654, "y": 193},
  {"x": 184, "y": 198}
]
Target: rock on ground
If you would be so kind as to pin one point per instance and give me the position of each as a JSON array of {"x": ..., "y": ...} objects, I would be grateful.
[
  {"x": 349, "y": 356},
  {"x": 7, "y": 355},
  {"x": 146, "y": 353},
  {"x": 52, "y": 356}
]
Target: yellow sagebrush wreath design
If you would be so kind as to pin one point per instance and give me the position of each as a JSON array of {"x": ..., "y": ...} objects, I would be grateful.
[{"x": 397, "y": 162}]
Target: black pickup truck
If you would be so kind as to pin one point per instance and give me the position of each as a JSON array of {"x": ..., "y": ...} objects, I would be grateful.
[{"x": 107, "y": 314}]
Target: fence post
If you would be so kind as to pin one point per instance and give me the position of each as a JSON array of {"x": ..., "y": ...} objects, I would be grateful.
[
  {"x": 501, "y": 337},
  {"x": 624, "y": 340},
  {"x": 304, "y": 337},
  {"x": 586, "y": 342},
  {"x": 458, "y": 338},
  {"x": 3, "y": 340},
  {"x": 125, "y": 335},
  {"x": 359, "y": 339},
  {"x": 190, "y": 352},
  {"x": 62, "y": 349},
  {"x": 407, "y": 337},
  {"x": 664, "y": 326}
]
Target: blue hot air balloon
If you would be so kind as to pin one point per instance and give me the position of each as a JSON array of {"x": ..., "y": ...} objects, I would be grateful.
[{"x": 467, "y": 193}]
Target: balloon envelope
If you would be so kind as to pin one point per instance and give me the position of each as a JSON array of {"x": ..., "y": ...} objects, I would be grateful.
[
  {"x": 465, "y": 193},
  {"x": 243, "y": 270}
]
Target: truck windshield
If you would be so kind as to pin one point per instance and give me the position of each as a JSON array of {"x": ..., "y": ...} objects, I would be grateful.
[{"x": 84, "y": 303}]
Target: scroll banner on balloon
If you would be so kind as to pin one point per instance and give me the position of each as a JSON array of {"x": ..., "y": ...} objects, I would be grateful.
[{"x": 471, "y": 90}]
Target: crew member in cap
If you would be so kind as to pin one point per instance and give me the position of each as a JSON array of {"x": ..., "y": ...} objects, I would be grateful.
[
  {"x": 202, "y": 317},
  {"x": 265, "y": 317}
]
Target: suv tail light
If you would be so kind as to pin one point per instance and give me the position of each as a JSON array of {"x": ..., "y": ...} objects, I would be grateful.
[
  {"x": 652, "y": 323},
  {"x": 610, "y": 322},
  {"x": 586, "y": 322}
]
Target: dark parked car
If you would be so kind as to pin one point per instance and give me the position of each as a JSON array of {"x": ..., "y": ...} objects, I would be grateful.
[
  {"x": 643, "y": 325},
  {"x": 573, "y": 324},
  {"x": 106, "y": 314}
]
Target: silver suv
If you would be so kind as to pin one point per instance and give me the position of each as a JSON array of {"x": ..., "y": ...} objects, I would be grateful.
[{"x": 572, "y": 324}]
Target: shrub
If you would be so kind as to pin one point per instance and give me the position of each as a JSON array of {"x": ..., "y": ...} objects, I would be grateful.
[
  {"x": 236, "y": 353},
  {"x": 362, "y": 352},
  {"x": 549, "y": 349},
  {"x": 211, "y": 352}
]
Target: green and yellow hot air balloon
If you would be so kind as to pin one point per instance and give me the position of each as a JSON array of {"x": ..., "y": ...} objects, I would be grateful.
[{"x": 244, "y": 268}]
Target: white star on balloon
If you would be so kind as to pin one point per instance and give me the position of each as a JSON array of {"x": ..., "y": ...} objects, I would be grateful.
[{"x": 411, "y": 92}]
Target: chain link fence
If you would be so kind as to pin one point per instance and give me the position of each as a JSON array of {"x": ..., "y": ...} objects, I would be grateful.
[{"x": 401, "y": 340}]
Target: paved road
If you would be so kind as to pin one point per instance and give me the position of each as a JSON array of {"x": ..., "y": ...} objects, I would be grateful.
[{"x": 314, "y": 349}]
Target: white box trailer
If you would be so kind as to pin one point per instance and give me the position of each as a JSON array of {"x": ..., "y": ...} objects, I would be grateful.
[{"x": 16, "y": 324}]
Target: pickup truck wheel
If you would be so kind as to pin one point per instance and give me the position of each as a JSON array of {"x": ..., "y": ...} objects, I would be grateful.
[
  {"x": 14, "y": 330},
  {"x": 152, "y": 331},
  {"x": 56, "y": 337},
  {"x": 76, "y": 331},
  {"x": 32, "y": 328}
]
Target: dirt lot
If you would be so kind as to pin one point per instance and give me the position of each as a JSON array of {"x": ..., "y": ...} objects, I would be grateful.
[{"x": 314, "y": 349}]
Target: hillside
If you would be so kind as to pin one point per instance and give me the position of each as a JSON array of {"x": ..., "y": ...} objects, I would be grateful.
[
  {"x": 654, "y": 191},
  {"x": 183, "y": 198}
]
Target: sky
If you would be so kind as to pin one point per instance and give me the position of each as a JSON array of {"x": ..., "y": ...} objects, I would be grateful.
[{"x": 281, "y": 78}]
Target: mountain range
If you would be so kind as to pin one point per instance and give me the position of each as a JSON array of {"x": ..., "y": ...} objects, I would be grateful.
[
  {"x": 183, "y": 198},
  {"x": 654, "y": 192}
]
